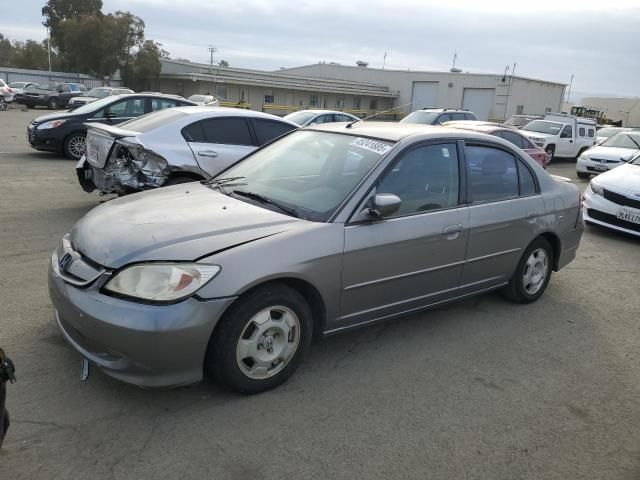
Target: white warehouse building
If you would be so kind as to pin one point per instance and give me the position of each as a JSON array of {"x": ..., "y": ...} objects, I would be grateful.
[
  {"x": 361, "y": 90},
  {"x": 490, "y": 96}
]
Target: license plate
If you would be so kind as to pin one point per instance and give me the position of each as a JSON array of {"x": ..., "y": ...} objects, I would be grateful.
[
  {"x": 600, "y": 168},
  {"x": 628, "y": 216}
]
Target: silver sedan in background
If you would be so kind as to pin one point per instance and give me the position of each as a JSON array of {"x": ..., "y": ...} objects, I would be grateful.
[
  {"x": 206, "y": 100},
  {"x": 326, "y": 229},
  {"x": 172, "y": 146},
  {"x": 304, "y": 118}
]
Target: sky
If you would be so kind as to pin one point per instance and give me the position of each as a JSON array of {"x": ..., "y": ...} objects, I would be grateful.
[{"x": 595, "y": 41}]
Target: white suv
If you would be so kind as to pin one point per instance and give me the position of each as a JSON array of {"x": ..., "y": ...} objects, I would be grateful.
[{"x": 561, "y": 135}]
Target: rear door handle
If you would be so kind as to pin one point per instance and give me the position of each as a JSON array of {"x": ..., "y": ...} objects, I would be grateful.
[{"x": 207, "y": 153}]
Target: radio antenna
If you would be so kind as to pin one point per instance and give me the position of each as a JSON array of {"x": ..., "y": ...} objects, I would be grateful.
[{"x": 350, "y": 124}]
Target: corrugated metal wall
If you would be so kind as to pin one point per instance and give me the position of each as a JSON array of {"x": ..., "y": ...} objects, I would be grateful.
[{"x": 43, "y": 76}]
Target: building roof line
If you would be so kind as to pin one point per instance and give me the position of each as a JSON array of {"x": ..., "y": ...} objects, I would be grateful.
[{"x": 353, "y": 67}]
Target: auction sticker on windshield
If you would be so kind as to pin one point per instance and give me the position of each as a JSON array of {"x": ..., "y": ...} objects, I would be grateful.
[{"x": 371, "y": 145}]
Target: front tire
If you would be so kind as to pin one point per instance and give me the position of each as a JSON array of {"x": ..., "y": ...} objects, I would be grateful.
[
  {"x": 533, "y": 273},
  {"x": 74, "y": 146},
  {"x": 3, "y": 103},
  {"x": 261, "y": 340},
  {"x": 551, "y": 150},
  {"x": 583, "y": 175},
  {"x": 53, "y": 104}
]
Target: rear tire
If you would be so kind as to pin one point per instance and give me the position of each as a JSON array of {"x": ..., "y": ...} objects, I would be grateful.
[
  {"x": 261, "y": 340},
  {"x": 3, "y": 103},
  {"x": 583, "y": 175},
  {"x": 533, "y": 273}
]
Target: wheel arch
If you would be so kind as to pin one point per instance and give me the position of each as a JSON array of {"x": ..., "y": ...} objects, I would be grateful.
[
  {"x": 308, "y": 291},
  {"x": 556, "y": 245}
]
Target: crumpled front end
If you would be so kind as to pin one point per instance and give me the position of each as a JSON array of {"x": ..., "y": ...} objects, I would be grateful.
[{"x": 129, "y": 168}]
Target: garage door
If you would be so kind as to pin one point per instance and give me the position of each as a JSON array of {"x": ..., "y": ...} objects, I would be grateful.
[
  {"x": 424, "y": 94},
  {"x": 480, "y": 101}
]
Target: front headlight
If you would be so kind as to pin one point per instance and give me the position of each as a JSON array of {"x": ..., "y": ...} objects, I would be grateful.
[
  {"x": 51, "y": 124},
  {"x": 596, "y": 189},
  {"x": 161, "y": 282}
]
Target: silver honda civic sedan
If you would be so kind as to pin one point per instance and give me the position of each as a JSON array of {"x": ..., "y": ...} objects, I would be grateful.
[{"x": 326, "y": 229}]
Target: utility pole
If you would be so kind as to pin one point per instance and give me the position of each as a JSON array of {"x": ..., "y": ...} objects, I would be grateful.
[
  {"x": 384, "y": 60},
  {"x": 212, "y": 49},
  {"x": 48, "y": 41}
]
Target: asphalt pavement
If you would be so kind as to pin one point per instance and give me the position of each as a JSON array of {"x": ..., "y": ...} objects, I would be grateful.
[{"x": 482, "y": 389}]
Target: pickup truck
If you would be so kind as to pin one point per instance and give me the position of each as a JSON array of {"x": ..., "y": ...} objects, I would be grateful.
[
  {"x": 562, "y": 135},
  {"x": 53, "y": 95}
]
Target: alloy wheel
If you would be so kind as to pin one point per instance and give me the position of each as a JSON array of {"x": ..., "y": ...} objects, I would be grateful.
[{"x": 76, "y": 146}]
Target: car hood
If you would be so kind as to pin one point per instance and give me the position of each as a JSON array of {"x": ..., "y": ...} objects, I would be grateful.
[
  {"x": 180, "y": 223},
  {"x": 624, "y": 179},
  {"x": 536, "y": 134},
  {"x": 55, "y": 116},
  {"x": 609, "y": 153}
]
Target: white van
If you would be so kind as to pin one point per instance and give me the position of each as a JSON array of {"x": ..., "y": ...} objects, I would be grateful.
[{"x": 562, "y": 135}]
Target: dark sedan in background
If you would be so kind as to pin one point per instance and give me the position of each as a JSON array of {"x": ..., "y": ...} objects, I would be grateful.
[{"x": 65, "y": 132}]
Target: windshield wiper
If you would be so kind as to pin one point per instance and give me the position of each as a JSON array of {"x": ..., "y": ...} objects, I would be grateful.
[
  {"x": 219, "y": 183},
  {"x": 263, "y": 199}
]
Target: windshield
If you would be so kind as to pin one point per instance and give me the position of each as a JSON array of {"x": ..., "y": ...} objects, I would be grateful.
[
  {"x": 543, "y": 126},
  {"x": 98, "y": 92},
  {"x": 608, "y": 132},
  {"x": 635, "y": 160},
  {"x": 311, "y": 172},
  {"x": 97, "y": 105},
  {"x": 623, "y": 140},
  {"x": 300, "y": 118},
  {"x": 421, "y": 117},
  {"x": 518, "y": 121},
  {"x": 31, "y": 88},
  {"x": 48, "y": 86},
  {"x": 17, "y": 84}
]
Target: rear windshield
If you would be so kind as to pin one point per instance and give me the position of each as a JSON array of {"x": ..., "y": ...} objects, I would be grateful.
[
  {"x": 300, "y": 118},
  {"x": 608, "y": 132},
  {"x": 152, "y": 120},
  {"x": 421, "y": 116}
]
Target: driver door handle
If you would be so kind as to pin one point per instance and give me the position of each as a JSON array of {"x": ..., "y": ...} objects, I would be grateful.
[
  {"x": 207, "y": 153},
  {"x": 452, "y": 231}
]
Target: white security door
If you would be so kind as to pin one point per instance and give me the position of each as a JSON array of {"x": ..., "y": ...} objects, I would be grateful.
[
  {"x": 479, "y": 101},
  {"x": 424, "y": 94}
]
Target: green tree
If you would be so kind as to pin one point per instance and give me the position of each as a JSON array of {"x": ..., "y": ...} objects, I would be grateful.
[
  {"x": 146, "y": 65},
  {"x": 5, "y": 51},
  {"x": 223, "y": 63},
  {"x": 30, "y": 54},
  {"x": 57, "y": 11}
]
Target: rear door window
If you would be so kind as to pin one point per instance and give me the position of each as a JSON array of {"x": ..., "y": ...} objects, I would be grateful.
[
  {"x": 457, "y": 116},
  {"x": 267, "y": 130},
  {"x": 228, "y": 131},
  {"x": 492, "y": 174},
  {"x": 443, "y": 118},
  {"x": 527, "y": 182}
]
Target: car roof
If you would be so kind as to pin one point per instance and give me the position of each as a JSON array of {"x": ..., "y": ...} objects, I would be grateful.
[
  {"x": 200, "y": 110},
  {"x": 484, "y": 127},
  {"x": 395, "y": 132}
]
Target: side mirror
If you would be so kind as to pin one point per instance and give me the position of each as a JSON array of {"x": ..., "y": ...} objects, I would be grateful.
[
  {"x": 383, "y": 204},
  {"x": 109, "y": 114}
]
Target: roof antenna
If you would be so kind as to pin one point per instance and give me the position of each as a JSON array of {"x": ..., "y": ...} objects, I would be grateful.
[{"x": 350, "y": 124}]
